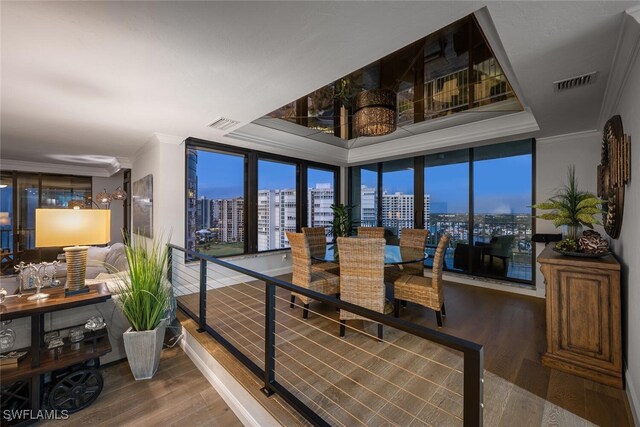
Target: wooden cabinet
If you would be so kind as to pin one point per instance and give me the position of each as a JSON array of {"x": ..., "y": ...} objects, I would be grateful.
[{"x": 583, "y": 316}]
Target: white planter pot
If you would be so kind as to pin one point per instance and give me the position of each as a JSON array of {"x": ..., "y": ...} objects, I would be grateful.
[{"x": 143, "y": 350}]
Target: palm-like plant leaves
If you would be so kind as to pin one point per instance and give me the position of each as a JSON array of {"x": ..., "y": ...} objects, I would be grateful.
[
  {"x": 144, "y": 293},
  {"x": 571, "y": 206}
]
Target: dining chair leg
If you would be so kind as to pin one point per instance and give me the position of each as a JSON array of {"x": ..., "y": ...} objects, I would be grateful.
[
  {"x": 439, "y": 318},
  {"x": 342, "y": 327},
  {"x": 305, "y": 311},
  {"x": 444, "y": 312},
  {"x": 293, "y": 300},
  {"x": 338, "y": 297},
  {"x": 396, "y": 307},
  {"x": 380, "y": 332}
]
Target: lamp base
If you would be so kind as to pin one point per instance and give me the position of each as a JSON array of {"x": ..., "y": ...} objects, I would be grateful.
[
  {"x": 71, "y": 292},
  {"x": 76, "y": 257}
]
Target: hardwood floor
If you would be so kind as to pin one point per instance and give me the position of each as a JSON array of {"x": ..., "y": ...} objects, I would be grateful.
[
  {"x": 178, "y": 395},
  {"x": 518, "y": 389}
]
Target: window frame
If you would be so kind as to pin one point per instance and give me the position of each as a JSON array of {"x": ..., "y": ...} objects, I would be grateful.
[
  {"x": 251, "y": 187},
  {"x": 418, "y": 204}
]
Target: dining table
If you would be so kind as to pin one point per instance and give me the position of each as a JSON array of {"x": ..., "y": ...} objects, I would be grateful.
[{"x": 393, "y": 255}]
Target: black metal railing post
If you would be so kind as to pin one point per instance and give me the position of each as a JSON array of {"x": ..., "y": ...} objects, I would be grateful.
[
  {"x": 269, "y": 338},
  {"x": 202, "y": 320},
  {"x": 473, "y": 387}
]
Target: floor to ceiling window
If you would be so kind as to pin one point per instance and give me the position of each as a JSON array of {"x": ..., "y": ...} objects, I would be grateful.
[
  {"x": 242, "y": 201},
  {"x": 481, "y": 197},
  {"x": 397, "y": 197},
  {"x": 320, "y": 197},
  {"x": 21, "y": 193},
  {"x": 217, "y": 203},
  {"x": 502, "y": 199},
  {"x": 446, "y": 205},
  {"x": 364, "y": 195},
  {"x": 276, "y": 204}
]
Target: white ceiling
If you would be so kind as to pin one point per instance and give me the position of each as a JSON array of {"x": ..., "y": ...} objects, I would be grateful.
[{"x": 99, "y": 78}]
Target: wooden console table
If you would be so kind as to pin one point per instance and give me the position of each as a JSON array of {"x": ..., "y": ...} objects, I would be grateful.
[
  {"x": 41, "y": 360},
  {"x": 583, "y": 316}
]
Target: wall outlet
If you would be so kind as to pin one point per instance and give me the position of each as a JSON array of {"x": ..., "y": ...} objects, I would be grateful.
[{"x": 285, "y": 257}]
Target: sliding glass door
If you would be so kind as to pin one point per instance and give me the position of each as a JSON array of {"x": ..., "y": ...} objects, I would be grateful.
[
  {"x": 481, "y": 197},
  {"x": 502, "y": 199},
  {"x": 446, "y": 206}
]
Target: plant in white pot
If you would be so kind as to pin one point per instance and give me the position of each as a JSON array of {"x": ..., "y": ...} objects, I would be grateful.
[{"x": 144, "y": 297}]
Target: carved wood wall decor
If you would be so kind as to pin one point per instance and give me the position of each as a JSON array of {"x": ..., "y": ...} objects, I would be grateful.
[{"x": 614, "y": 172}]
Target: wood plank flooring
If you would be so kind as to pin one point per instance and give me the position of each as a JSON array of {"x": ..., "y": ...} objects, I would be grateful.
[
  {"x": 410, "y": 381},
  {"x": 178, "y": 395}
]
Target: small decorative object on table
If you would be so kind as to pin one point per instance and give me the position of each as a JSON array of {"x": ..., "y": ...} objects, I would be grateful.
[
  {"x": 12, "y": 358},
  {"x": 3, "y": 295},
  {"x": 7, "y": 337},
  {"x": 76, "y": 334},
  {"x": 95, "y": 323},
  {"x": 590, "y": 245}
]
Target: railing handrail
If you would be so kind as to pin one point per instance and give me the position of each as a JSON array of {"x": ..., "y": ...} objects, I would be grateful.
[{"x": 442, "y": 338}]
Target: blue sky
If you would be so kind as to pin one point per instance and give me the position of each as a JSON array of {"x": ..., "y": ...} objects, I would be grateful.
[
  {"x": 501, "y": 185},
  {"x": 222, "y": 175}
]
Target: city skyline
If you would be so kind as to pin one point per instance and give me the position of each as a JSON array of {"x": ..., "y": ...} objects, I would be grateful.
[{"x": 447, "y": 185}]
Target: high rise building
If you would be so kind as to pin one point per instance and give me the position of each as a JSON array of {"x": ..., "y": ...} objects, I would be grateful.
[
  {"x": 319, "y": 212},
  {"x": 397, "y": 209},
  {"x": 203, "y": 212},
  {"x": 276, "y": 216},
  {"x": 192, "y": 196},
  {"x": 230, "y": 219}
]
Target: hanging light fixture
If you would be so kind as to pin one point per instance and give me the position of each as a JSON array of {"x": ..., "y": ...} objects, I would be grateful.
[
  {"x": 103, "y": 198},
  {"x": 375, "y": 113},
  {"x": 119, "y": 194},
  {"x": 77, "y": 203}
]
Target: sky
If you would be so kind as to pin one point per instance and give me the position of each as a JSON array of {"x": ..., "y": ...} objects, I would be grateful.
[{"x": 222, "y": 176}]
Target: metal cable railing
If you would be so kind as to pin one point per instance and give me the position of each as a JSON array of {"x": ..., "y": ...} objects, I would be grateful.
[{"x": 414, "y": 375}]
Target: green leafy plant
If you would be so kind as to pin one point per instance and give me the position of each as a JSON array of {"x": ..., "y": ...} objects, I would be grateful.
[
  {"x": 342, "y": 224},
  {"x": 571, "y": 206},
  {"x": 144, "y": 294}
]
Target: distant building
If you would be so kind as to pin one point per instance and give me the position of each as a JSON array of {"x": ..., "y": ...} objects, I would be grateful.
[
  {"x": 319, "y": 212},
  {"x": 276, "y": 216},
  {"x": 229, "y": 219},
  {"x": 397, "y": 209},
  {"x": 192, "y": 196}
]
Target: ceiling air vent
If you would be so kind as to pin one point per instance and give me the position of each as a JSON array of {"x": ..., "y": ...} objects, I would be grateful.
[
  {"x": 223, "y": 123},
  {"x": 577, "y": 81}
]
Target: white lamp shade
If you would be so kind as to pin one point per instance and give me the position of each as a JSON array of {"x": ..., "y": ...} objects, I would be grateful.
[
  {"x": 5, "y": 219},
  {"x": 69, "y": 227}
]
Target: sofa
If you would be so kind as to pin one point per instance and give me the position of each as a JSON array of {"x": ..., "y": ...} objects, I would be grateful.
[{"x": 100, "y": 260}]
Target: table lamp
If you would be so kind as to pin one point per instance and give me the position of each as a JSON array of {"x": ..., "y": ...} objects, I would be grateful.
[{"x": 73, "y": 228}]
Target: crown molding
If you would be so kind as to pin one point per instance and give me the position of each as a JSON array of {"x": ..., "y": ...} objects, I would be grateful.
[
  {"x": 570, "y": 137},
  {"x": 624, "y": 58},
  {"x": 304, "y": 149},
  {"x": 489, "y": 129},
  {"x": 59, "y": 168}
]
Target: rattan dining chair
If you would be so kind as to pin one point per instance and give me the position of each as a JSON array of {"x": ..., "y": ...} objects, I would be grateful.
[
  {"x": 317, "y": 238},
  {"x": 426, "y": 291},
  {"x": 412, "y": 240},
  {"x": 362, "y": 277},
  {"x": 319, "y": 281},
  {"x": 371, "y": 232}
]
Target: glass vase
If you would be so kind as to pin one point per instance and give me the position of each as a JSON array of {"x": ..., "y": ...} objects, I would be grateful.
[{"x": 571, "y": 231}]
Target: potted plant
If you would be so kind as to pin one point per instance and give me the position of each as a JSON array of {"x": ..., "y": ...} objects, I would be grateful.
[
  {"x": 144, "y": 298},
  {"x": 342, "y": 225},
  {"x": 571, "y": 208}
]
